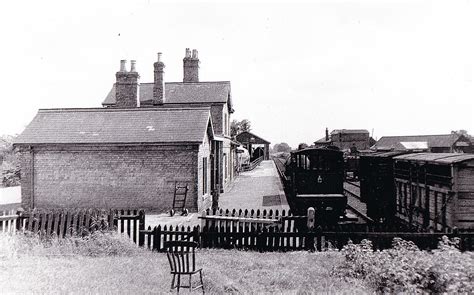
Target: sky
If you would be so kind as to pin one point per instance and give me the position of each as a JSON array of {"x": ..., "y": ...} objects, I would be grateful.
[{"x": 391, "y": 67}]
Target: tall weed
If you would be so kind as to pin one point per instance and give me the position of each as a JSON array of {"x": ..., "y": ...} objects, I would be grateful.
[
  {"x": 405, "y": 268},
  {"x": 98, "y": 243}
]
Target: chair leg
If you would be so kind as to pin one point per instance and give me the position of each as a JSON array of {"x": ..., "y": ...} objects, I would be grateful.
[
  {"x": 172, "y": 281},
  {"x": 190, "y": 284},
  {"x": 179, "y": 283},
  {"x": 202, "y": 284}
]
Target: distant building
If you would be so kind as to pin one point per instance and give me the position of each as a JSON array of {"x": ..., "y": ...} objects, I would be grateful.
[
  {"x": 257, "y": 146},
  {"x": 346, "y": 139},
  {"x": 444, "y": 143}
]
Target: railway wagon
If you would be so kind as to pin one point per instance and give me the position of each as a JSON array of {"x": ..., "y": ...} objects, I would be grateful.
[
  {"x": 377, "y": 187},
  {"x": 315, "y": 179},
  {"x": 351, "y": 166},
  {"x": 435, "y": 190}
]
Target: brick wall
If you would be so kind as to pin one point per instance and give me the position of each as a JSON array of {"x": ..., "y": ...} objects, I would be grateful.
[
  {"x": 217, "y": 118},
  {"x": 110, "y": 177}
]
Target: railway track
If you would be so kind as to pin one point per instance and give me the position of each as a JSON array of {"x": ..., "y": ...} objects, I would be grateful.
[
  {"x": 354, "y": 183},
  {"x": 354, "y": 204}
]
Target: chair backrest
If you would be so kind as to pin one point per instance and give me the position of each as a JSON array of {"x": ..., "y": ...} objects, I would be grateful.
[{"x": 181, "y": 256}]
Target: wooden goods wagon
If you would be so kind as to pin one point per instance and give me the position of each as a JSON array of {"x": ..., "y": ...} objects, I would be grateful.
[
  {"x": 377, "y": 187},
  {"x": 435, "y": 190}
]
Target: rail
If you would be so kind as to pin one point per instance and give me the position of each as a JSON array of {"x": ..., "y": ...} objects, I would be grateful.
[
  {"x": 348, "y": 194},
  {"x": 281, "y": 173},
  {"x": 252, "y": 165},
  {"x": 353, "y": 183}
]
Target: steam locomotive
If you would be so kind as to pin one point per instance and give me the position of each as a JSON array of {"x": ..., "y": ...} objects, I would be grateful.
[{"x": 314, "y": 178}]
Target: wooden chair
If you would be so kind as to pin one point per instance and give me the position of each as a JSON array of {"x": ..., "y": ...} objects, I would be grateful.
[{"x": 181, "y": 256}]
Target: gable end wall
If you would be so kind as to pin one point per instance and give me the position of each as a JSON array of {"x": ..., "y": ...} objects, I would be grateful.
[{"x": 108, "y": 177}]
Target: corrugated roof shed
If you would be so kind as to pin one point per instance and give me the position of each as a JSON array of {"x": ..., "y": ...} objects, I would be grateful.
[
  {"x": 179, "y": 93},
  {"x": 394, "y": 142},
  {"x": 440, "y": 158},
  {"x": 99, "y": 126},
  {"x": 350, "y": 131}
]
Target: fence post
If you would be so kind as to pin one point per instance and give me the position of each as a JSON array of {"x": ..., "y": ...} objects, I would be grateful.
[
  {"x": 203, "y": 220},
  {"x": 19, "y": 220},
  {"x": 310, "y": 220},
  {"x": 141, "y": 226},
  {"x": 195, "y": 235},
  {"x": 319, "y": 238},
  {"x": 157, "y": 238}
]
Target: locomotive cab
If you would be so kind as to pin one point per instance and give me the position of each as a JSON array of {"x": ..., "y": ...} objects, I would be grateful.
[{"x": 316, "y": 180}]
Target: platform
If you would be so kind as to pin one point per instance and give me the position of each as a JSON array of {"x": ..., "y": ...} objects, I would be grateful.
[{"x": 260, "y": 188}]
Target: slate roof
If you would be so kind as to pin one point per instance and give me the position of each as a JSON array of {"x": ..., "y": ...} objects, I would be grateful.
[
  {"x": 394, "y": 142},
  {"x": 439, "y": 158},
  {"x": 323, "y": 140},
  {"x": 106, "y": 125},
  {"x": 244, "y": 137},
  {"x": 179, "y": 93}
]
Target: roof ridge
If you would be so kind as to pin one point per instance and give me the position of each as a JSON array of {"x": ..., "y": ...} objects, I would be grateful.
[
  {"x": 176, "y": 82},
  {"x": 417, "y": 135},
  {"x": 137, "y": 109}
]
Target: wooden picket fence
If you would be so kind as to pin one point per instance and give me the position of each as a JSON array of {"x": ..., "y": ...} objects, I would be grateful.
[
  {"x": 284, "y": 219},
  {"x": 267, "y": 239},
  {"x": 281, "y": 231},
  {"x": 156, "y": 237},
  {"x": 228, "y": 229},
  {"x": 67, "y": 222},
  {"x": 8, "y": 221}
]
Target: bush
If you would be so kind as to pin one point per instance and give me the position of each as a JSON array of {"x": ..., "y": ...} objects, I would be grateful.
[
  {"x": 404, "y": 268},
  {"x": 11, "y": 177}
]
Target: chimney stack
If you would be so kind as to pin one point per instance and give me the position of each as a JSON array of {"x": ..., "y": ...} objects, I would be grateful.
[
  {"x": 191, "y": 66},
  {"x": 327, "y": 134},
  {"x": 159, "y": 83},
  {"x": 126, "y": 86}
]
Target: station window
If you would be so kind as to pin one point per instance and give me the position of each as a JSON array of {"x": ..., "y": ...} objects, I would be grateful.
[
  {"x": 225, "y": 166},
  {"x": 204, "y": 175}
]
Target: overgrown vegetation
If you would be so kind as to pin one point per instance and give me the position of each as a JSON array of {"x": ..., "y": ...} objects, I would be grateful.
[
  {"x": 9, "y": 162},
  {"x": 405, "y": 268},
  {"x": 105, "y": 262},
  {"x": 237, "y": 127},
  {"x": 95, "y": 244},
  {"x": 108, "y": 263}
]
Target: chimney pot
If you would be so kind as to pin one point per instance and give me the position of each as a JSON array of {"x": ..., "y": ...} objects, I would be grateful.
[
  {"x": 327, "y": 134},
  {"x": 159, "y": 56},
  {"x": 133, "y": 66},
  {"x": 191, "y": 66},
  {"x": 123, "y": 63}
]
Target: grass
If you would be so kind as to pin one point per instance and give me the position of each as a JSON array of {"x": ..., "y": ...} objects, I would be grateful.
[{"x": 83, "y": 267}]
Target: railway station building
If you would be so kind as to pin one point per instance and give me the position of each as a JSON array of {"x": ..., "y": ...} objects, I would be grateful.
[{"x": 132, "y": 151}]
